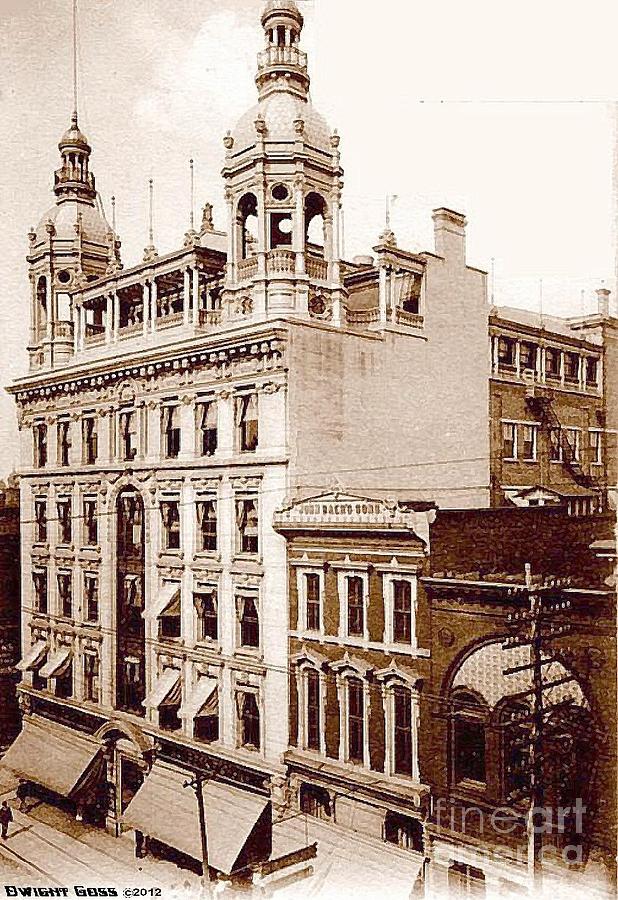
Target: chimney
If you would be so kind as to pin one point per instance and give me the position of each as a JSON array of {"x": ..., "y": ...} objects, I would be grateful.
[
  {"x": 450, "y": 234},
  {"x": 603, "y": 301}
]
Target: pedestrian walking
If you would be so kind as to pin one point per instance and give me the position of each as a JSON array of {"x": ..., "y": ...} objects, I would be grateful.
[
  {"x": 6, "y": 816},
  {"x": 22, "y": 794}
]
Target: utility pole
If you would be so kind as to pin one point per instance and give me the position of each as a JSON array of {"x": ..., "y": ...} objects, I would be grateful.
[
  {"x": 197, "y": 784},
  {"x": 533, "y": 629}
]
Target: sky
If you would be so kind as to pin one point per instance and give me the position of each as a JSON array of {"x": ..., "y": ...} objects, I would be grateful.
[{"x": 504, "y": 112}]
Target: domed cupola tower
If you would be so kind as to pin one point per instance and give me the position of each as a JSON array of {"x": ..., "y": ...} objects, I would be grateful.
[
  {"x": 72, "y": 244},
  {"x": 283, "y": 189}
]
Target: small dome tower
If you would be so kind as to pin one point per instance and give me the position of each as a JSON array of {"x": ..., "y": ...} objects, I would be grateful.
[{"x": 283, "y": 188}]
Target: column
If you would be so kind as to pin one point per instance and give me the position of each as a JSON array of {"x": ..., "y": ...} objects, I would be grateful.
[
  {"x": 49, "y": 302},
  {"x": 261, "y": 217},
  {"x": 187, "y": 428},
  {"x": 116, "y": 325},
  {"x": 335, "y": 239},
  {"x": 153, "y": 432},
  {"x": 562, "y": 367},
  {"x": 382, "y": 294},
  {"x": 225, "y": 424},
  {"x": 517, "y": 358},
  {"x": 231, "y": 239},
  {"x": 186, "y": 296},
  {"x": 299, "y": 229},
  {"x": 195, "y": 295},
  {"x": 82, "y": 326},
  {"x": 109, "y": 313},
  {"x": 392, "y": 293},
  {"x": 77, "y": 321},
  {"x": 103, "y": 426},
  {"x": 542, "y": 364},
  {"x": 582, "y": 373},
  {"x": 153, "y": 304},
  {"x": 34, "y": 325},
  {"x": 145, "y": 308},
  {"x": 416, "y": 712}
]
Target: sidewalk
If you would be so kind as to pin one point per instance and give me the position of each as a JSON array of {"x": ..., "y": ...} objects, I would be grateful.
[{"x": 56, "y": 850}]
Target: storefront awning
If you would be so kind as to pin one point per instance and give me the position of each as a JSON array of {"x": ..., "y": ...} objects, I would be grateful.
[
  {"x": 33, "y": 657},
  {"x": 231, "y": 815},
  {"x": 167, "y": 602},
  {"x": 56, "y": 663},
  {"x": 202, "y": 701},
  {"x": 51, "y": 755},
  {"x": 166, "y": 690}
]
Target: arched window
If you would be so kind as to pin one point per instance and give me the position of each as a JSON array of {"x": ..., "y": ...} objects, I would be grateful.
[
  {"x": 247, "y": 222},
  {"x": 469, "y": 717},
  {"x": 315, "y": 212}
]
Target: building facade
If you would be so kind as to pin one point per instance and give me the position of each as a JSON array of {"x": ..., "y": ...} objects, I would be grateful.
[{"x": 10, "y": 603}]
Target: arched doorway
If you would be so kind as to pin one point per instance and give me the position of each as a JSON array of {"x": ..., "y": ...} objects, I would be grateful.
[
  {"x": 130, "y": 626},
  {"x": 128, "y": 756}
]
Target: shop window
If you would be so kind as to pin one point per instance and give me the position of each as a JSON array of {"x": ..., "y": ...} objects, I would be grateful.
[
  {"x": 207, "y": 617},
  {"x": 40, "y": 445},
  {"x": 40, "y": 521},
  {"x": 207, "y": 428},
  {"x": 247, "y": 525},
  {"x": 247, "y": 422},
  {"x": 206, "y": 512},
  {"x": 170, "y": 516},
  {"x": 403, "y": 831}
]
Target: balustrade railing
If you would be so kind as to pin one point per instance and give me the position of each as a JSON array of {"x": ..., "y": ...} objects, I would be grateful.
[
  {"x": 316, "y": 268},
  {"x": 209, "y": 318},
  {"x": 362, "y": 316},
  {"x": 247, "y": 268},
  {"x": 277, "y": 56},
  {"x": 281, "y": 261},
  {"x": 412, "y": 320},
  {"x": 170, "y": 320}
]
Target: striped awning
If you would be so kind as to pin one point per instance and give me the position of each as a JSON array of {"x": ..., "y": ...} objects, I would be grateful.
[
  {"x": 203, "y": 700},
  {"x": 166, "y": 690},
  {"x": 33, "y": 657},
  {"x": 56, "y": 663}
]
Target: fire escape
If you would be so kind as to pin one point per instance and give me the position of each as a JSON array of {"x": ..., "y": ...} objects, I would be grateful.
[{"x": 541, "y": 405}]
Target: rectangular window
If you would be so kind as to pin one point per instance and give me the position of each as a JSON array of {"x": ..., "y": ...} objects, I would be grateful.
[
  {"x": 509, "y": 440},
  {"x": 529, "y": 442},
  {"x": 313, "y": 709},
  {"x": 90, "y": 440},
  {"x": 206, "y": 728},
  {"x": 206, "y": 512},
  {"x": 403, "y": 831},
  {"x": 91, "y": 677},
  {"x": 249, "y": 622},
  {"x": 249, "y": 721},
  {"x": 527, "y": 356},
  {"x": 40, "y": 445},
  {"x": 356, "y": 606},
  {"x": 91, "y": 598},
  {"x": 402, "y": 612},
  {"x": 555, "y": 445},
  {"x": 356, "y": 720},
  {"x": 39, "y": 579},
  {"x": 596, "y": 448},
  {"x": 402, "y": 703},
  {"x": 64, "y": 521},
  {"x": 465, "y": 880},
  {"x": 506, "y": 351},
  {"x": 207, "y": 428},
  {"x": 571, "y": 366},
  {"x": 65, "y": 594},
  {"x": 40, "y": 521},
  {"x": 313, "y": 603},
  {"x": 572, "y": 436},
  {"x": 247, "y": 408},
  {"x": 91, "y": 531},
  {"x": 170, "y": 516},
  {"x": 170, "y": 424},
  {"x": 207, "y": 618},
  {"x": 64, "y": 442},
  {"x": 592, "y": 370},
  {"x": 552, "y": 362},
  {"x": 469, "y": 750},
  {"x": 247, "y": 523},
  {"x": 128, "y": 434},
  {"x": 64, "y": 683}
]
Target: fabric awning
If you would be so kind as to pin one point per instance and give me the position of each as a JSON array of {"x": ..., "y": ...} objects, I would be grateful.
[
  {"x": 56, "y": 757},
  {"x": 56, "y": 663},
  {"x": 167, "y": 600},
  {"x": 231, "y": 815},
  {"x": 166, "y": 690},
  {"x": 203, "y": 699},
  {"x": 33, "y": 657}
]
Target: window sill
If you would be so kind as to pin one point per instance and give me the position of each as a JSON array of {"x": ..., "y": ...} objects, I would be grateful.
[
  {"x": 511, "y": 459},
  {"x": 209, "y": 644},
  {"x": 201, "y": 555},
  {"x": 253, "y": 653},
  {"x": 175, "y": 553}
]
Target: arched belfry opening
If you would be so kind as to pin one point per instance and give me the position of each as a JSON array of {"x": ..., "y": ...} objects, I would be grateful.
[
  {"x": 130, "y": 584},
  {"x": 315, "y": 223},
  {"x": 248, "y": 225}
]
